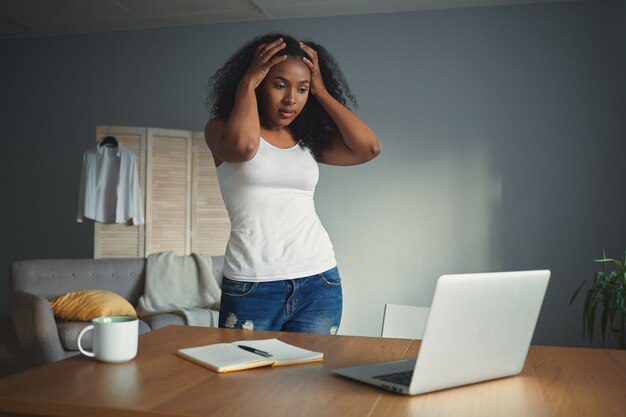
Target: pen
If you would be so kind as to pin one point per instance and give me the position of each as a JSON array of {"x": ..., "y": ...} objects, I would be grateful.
[{"x": 253, "y": 350}]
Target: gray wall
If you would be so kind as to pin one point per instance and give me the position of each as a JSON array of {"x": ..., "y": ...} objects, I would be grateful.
[{"x": 502, "y": 129}]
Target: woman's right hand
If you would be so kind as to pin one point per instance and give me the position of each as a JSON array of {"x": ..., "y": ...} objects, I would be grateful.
[{"x": 263, "y": 62}]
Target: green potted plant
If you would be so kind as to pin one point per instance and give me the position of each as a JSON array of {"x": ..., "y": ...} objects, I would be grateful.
[{"x": 608, "y": 290}]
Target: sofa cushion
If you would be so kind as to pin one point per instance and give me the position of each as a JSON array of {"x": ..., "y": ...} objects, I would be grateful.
[
  {"x": 85, "y": 305},
  {"x": 164, "y": 319},
  {"x": 69, "y": 330}
]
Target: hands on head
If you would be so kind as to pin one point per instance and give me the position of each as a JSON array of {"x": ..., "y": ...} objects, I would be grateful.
[{"x": 264, "y": 59}]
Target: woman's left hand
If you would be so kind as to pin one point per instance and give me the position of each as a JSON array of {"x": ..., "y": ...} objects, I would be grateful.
[{"x": 317, "y": 84}]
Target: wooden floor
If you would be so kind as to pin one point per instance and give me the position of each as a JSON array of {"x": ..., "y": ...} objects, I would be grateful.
[{"x": 10, "y": 362}]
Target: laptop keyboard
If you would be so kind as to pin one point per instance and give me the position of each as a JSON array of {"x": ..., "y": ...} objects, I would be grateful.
[{"x": 400, "y": 378}]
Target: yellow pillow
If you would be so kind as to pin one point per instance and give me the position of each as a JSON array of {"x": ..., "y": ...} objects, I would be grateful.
[{"x": 88, "y": 304}]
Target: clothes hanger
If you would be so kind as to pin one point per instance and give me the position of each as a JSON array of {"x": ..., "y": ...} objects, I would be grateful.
[{"x": 109, "y": 140}]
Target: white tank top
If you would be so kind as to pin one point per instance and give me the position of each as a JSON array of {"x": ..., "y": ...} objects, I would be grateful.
[{"x": 275, "y": 231}]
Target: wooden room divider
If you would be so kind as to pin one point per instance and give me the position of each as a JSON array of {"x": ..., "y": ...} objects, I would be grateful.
[{"x": 183, "y": 206}]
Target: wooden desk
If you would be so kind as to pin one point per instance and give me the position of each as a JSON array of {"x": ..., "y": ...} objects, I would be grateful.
[{"x": 555, "y": 382}]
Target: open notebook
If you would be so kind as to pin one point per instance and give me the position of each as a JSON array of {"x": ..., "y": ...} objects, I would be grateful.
[{"x": 227, "y": 357}]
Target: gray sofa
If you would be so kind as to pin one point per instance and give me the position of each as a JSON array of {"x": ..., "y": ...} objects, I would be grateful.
[{"x": 34, "y": 283}]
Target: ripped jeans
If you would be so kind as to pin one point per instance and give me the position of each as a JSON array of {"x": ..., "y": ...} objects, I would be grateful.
[{"x": 311, "y": 304}]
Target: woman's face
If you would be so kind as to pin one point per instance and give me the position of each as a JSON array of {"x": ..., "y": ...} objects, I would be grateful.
[{"x": 284, "y": 92}]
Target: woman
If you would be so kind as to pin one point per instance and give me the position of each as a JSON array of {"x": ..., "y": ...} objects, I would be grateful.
[{"x": 278, "y": 108}]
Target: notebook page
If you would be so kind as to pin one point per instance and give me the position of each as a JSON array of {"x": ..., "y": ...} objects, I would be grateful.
[
  {"x": 283, "y": 353},
  {"x": 222, "y": 356}
]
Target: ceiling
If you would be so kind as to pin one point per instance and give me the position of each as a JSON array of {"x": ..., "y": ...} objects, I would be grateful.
[{"x": 32, "y": 18}]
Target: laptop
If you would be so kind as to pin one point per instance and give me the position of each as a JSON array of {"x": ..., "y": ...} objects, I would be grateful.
[{"x": 479, "y": 328}]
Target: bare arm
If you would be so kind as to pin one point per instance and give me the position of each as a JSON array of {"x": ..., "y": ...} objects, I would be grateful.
[
  {"x": 355, "y": 143},
  {"x": 237, "y": 139}
]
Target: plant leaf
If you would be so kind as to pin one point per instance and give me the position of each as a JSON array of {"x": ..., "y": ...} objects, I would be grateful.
[
  {"x": 576, "y": 292},
  {"x": 604, "y": 260},
  {"x": 598, "y": 276},
  {"x": 605, "y": 315},
  {"x": 595, "y": 297},
  {"x": 611, "y": 321},
  {"x": 622, "y": 330},
  {"x": 590, "y": 323},
  {"x": 586, "y": 310}
]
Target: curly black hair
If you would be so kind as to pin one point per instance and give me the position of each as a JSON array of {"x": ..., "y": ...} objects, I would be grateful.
[{"x": 313, "y": 127}]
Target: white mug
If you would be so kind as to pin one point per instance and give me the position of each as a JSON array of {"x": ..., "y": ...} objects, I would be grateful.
[{"x": 114, "y": 338}]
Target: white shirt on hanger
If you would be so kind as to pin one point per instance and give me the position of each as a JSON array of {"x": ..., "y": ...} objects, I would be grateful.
[{"x": 109, "y": 186}]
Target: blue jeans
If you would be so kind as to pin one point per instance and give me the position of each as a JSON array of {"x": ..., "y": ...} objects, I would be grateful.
[{"x": 308, "y": 305}]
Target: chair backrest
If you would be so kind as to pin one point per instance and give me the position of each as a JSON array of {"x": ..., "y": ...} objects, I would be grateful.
[{"x": 404, "y": 322}]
